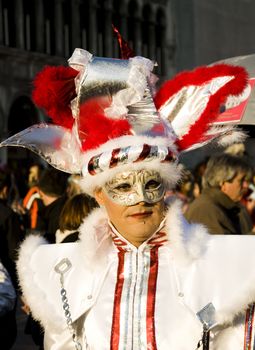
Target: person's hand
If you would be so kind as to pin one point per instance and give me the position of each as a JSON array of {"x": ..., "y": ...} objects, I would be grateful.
[
  {"x": 24, "y": 306},
  {"x": 18, "y": 207}
]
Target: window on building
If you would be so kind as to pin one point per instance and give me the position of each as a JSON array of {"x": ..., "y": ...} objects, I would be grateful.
[
  {"x": 100, "y": 28},
  {"x": 49, "y": 19},
  {"x": 29, "y": 27},
  {"x": 8, "y": 13},
  {"x": 116, "y": 21},
  {"x": 27, "y": 114},
  {"x": 146, "y": 14},
  {"x": 160, "y": 30},
  {"x": 84, "y": 24},
  {"x": 131, "y": 23},
  {"x": 67, "y": 27}
]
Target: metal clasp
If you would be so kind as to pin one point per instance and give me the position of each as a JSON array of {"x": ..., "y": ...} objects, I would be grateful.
[{"x": 63, "y": 266}]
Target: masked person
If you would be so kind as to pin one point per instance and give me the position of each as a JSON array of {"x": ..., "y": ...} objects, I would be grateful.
[{"x": 139, "y": 277}]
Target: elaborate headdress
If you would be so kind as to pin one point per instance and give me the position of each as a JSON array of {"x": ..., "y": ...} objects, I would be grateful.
[{"x": 107, "y": 116}]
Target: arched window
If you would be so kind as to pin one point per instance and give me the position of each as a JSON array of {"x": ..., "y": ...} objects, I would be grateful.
[
  {"x": 23, "y": 114},
  {"x": 29, "y": 25},
  {"x": 67, "y": 26},
  {"x": 8, "y": 10},
  {"x": 100, "y": 28},
  {"x": 49, "y": 18},
  {"x": 131, "y": 22},
  {"x": 84, "y": 24},
  {"x": 116, "y": 21},
  {"x": 160, "y": 31},
  {"x": 116, "y": 17},
  {"x": 146, "y": 31}
]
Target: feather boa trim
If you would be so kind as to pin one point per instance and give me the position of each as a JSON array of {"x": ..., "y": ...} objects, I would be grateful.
[
  {"x": 188, "y": 245},
  {"x": 198, "y": 77}
]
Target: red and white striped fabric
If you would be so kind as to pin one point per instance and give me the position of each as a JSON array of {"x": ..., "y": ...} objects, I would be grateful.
[
  {"x": 133, "y": 325},
  {"x": 127, "y": 155},
  {"x": 249, "y": 336}
]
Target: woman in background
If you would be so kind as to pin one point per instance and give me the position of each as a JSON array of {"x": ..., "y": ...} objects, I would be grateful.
[{"x": 72, "y": 215}]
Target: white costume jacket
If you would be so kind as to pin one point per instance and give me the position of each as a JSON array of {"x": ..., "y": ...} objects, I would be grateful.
[{"x": 122, "y": 297}]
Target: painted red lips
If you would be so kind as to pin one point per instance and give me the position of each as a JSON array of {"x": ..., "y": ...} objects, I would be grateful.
[{"x": 141, "y": 215}]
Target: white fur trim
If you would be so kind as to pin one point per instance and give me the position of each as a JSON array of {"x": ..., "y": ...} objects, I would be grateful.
[
  {"x": 242, "y": 297},
  {"x": 170, "y": 171},
  {"x": 195, "y": 253},
  {"x": 41, "y": 306},
  {"x": 93, "y": 231},
  {"x": 187, "y": 241},
  {"x": 235, "y": 136},
  {"x": 40, "y": 284}
]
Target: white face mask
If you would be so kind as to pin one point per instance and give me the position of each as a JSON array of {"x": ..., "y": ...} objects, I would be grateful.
[{"x": 130, "y": 188}]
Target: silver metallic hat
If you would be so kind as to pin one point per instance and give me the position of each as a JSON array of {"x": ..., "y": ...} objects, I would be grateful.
[{"x": 107, "y": 116}]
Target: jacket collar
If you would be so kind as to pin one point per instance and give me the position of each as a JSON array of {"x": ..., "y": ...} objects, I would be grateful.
[
  {"x": 187, "y": 241},
  {"x": 221, "y": 198},
  {"x": 187, "y": 244}
]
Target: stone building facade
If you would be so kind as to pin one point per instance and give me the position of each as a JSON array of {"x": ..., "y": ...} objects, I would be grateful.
[
  {"x": 177, "y": 34},
  {"x": 40, "y": 32},
  {"x": 210, "y": 30}
]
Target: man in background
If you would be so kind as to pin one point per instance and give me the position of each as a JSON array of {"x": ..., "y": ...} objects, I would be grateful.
[
  {"x": 225, "y": 181},
  {"x": 32, "y": 202}
]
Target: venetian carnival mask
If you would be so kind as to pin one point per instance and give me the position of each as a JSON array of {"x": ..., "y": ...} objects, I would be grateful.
[{"x": 132, "y": 187}]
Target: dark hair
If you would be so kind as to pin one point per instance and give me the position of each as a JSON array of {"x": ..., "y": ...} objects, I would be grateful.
[
  {"x": 5, "y": 179},
  {"x": 53, "y": 182},
  {"x": 224, "y": 168},
  {"x": 75, "y": 210}
]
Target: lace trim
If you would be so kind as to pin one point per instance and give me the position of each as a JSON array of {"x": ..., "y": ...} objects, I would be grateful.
[{"x": 139, "y": 76}]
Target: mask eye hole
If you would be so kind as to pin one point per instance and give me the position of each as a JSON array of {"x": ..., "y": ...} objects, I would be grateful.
[
  {"x": 152, "y": 185},
  {"x": 125, "y": 187}
]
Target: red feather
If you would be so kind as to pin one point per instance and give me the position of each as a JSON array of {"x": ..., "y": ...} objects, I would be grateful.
[
  {"x": 54, "y": 89},
  {"x": 125, "y": 50},
  {"x": 197, "y": 77},
  {"x": 95, "y": 128}
]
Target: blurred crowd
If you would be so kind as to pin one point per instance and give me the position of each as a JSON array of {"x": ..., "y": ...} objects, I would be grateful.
[
  {"x": 53, "y": 207},
  {"x": 219, "y": 193}
]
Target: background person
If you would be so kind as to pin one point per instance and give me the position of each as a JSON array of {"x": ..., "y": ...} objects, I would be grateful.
[
  {"x": 218, "y": 207},
  {"x": 32, "y": 202},
  {"x": 72, "y": 215},
  {"x": 11, "y": 230},
  {"x": 52, "y": 189},
  {"x": 184, "y": 190},
  {"x": 73, "y": 185}
]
